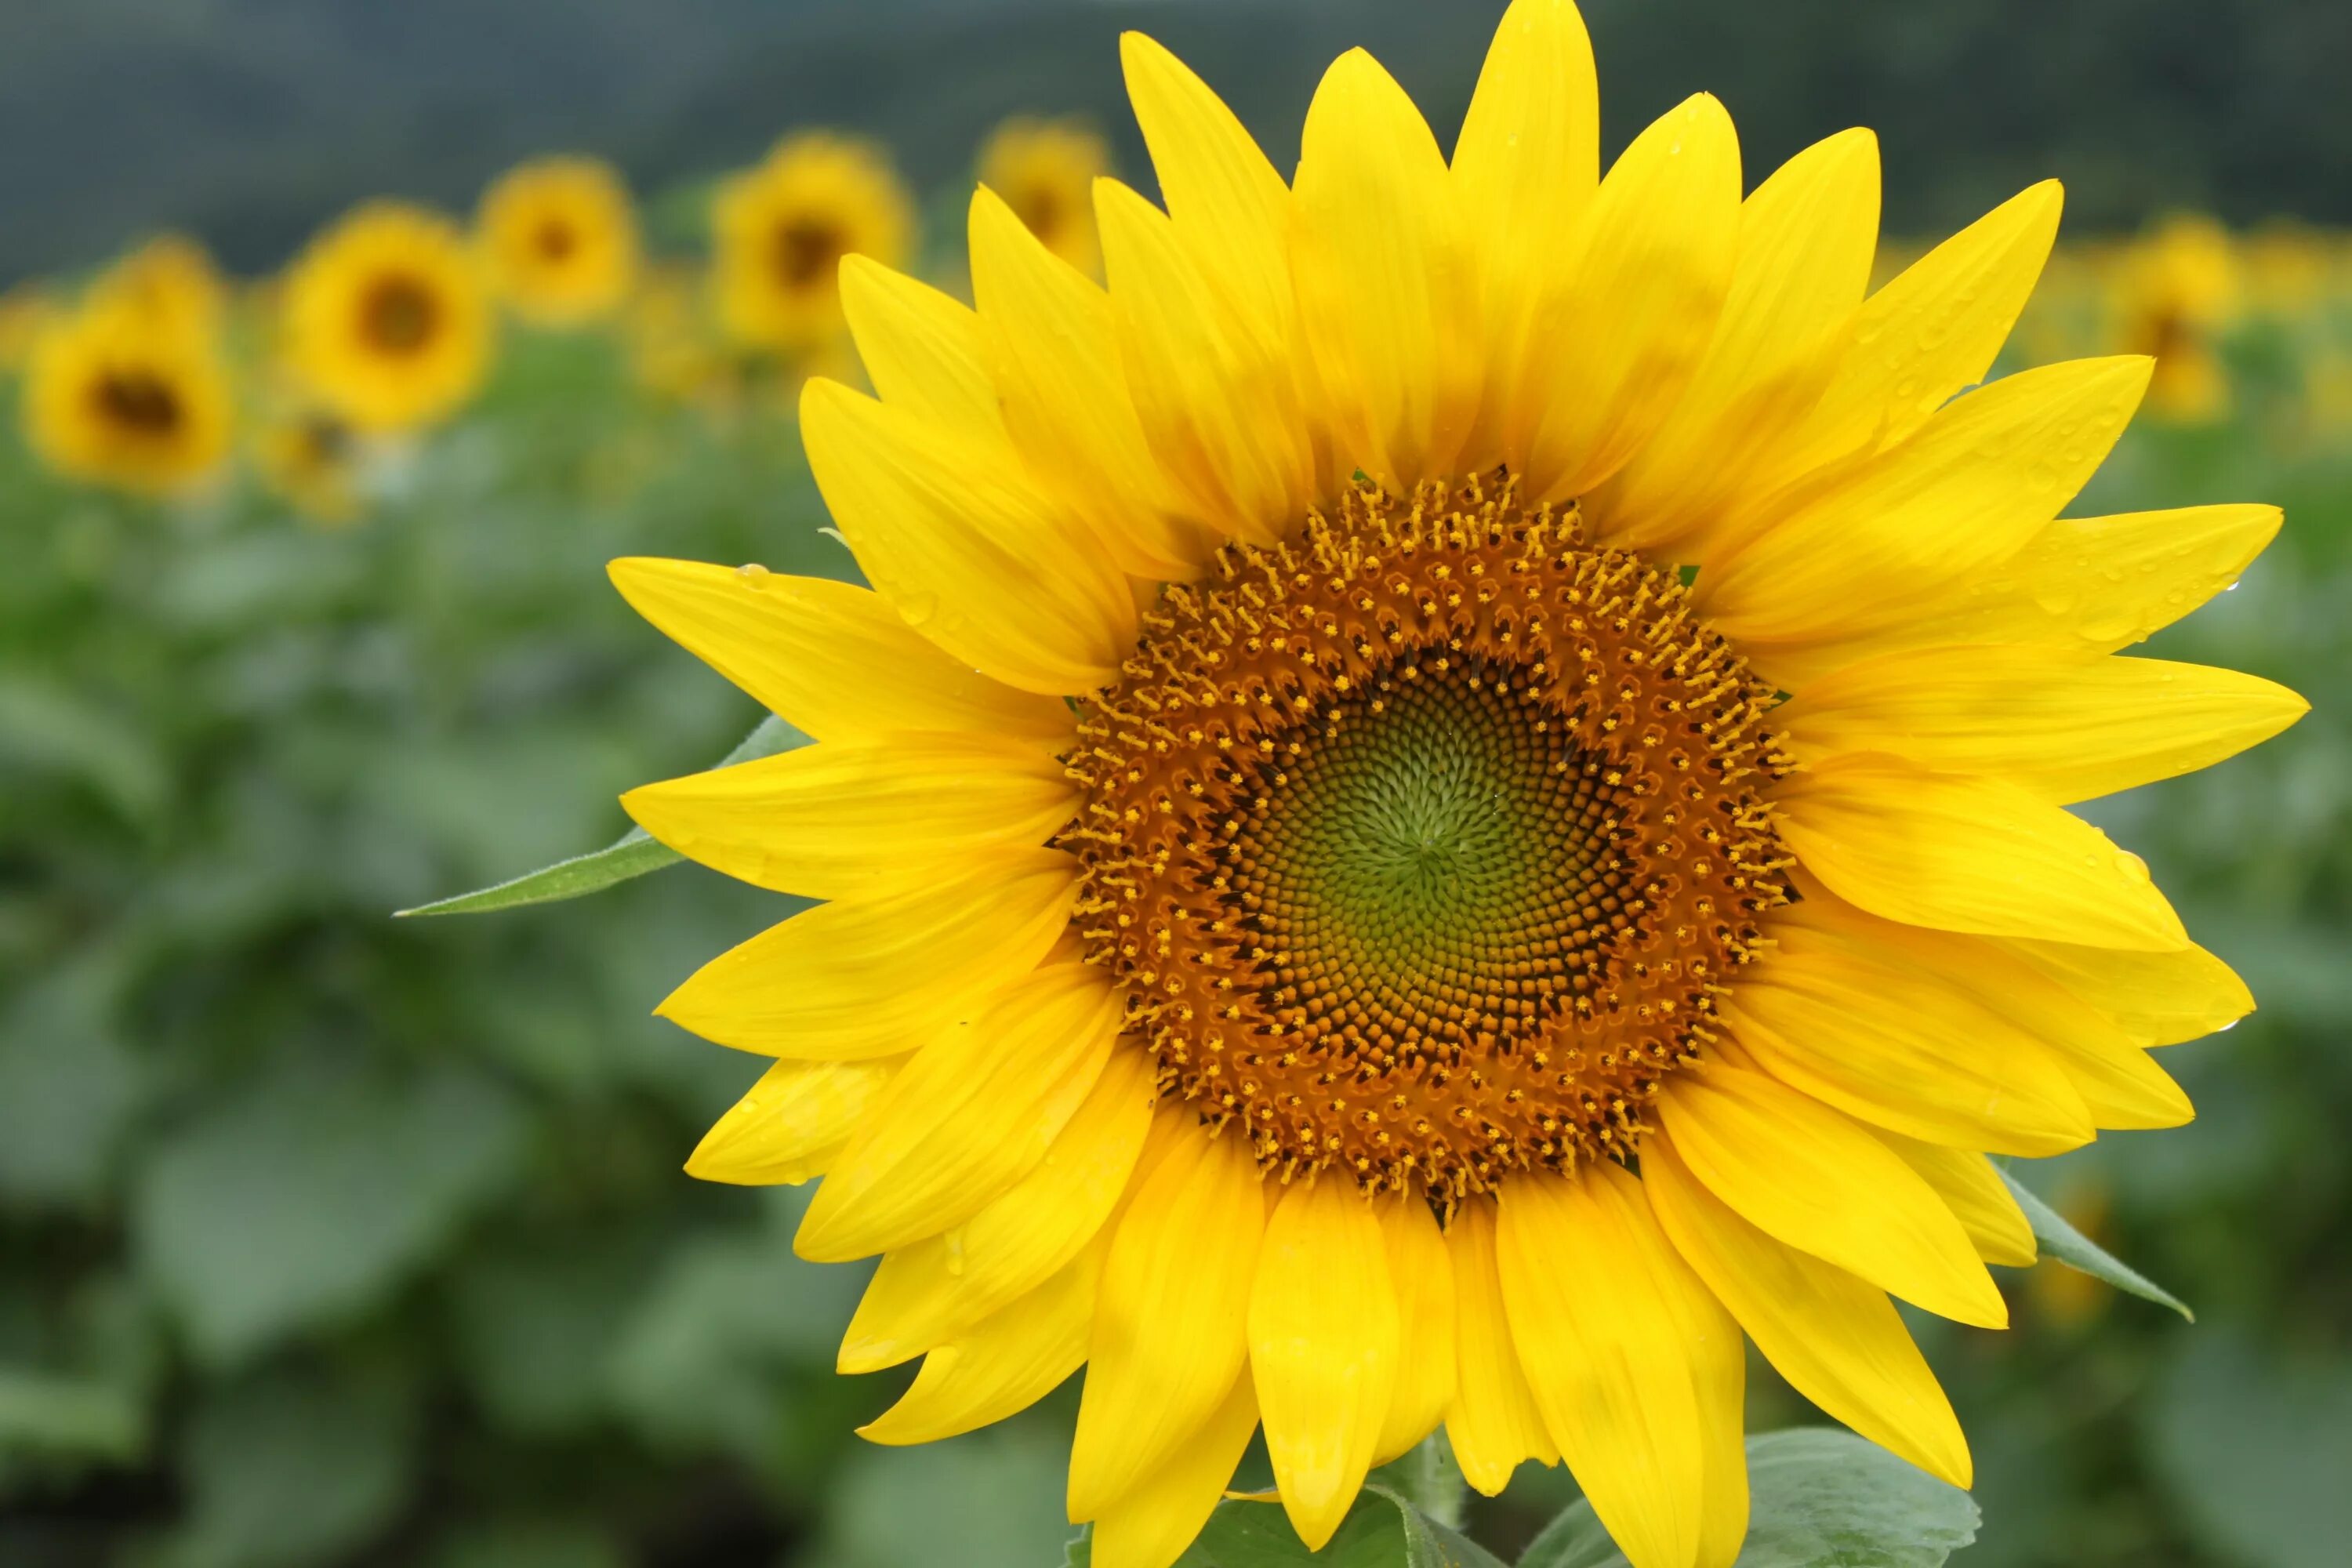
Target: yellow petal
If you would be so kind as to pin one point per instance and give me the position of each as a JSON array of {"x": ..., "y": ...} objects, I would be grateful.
[
  {"x": 1837, "y": 1340},
  {"x": 1170, "y": 1324},
  {"x": 1387, "y": 297},
  {"x": 793, "y": 1124},
  {"x": 1151, "y": 1526},
  {"x": 1969, "y": 854},
  {"x": 972, "y": 1113},
  {"x": 1003, "y": 1363},
  {"x": 1801, "y": 1171},
  {"x": 1493, "y": 1423},
  {"x": 2156, "y": 998},
  {"x": 920, "y": 347},
  {"x": 925, "y": 1294},
  {"x": 1872, "y": 1036},
  {"x": 872, "y": 977},
  {"x": 1806, "y": 237},
  {"x": 1323, "y": 1346},
  {"x": 1719, "y": 1384},
  {"x": 832, "y": 657},
  {"x": 846, "y": 818},
  {"x": 1525, "y": 166},
  {"x": 1598, "y": 1303},
  {"x": 1615, "y": 344},
  {"x": 966, "y": 547},
  {"x": 2066, "y": 726},
  {"x": 1975, "y": 1194},
  {"x": 1218, "y": 397},
  {"x": 1927, "y": 334},
  {"x": 2097, "y": 584},
  {"x": 1860, "y": 547},
  {"x": 1054, "y": 352},
  {"x": 1422, "y": 1274}
]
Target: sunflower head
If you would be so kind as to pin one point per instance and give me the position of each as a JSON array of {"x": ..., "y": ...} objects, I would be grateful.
[
  {"x": 1045, "y": 170},
  {"x": 559, "y": 240},
  {"x": 310, "y": 459},
  {"x": 385, "y": 319},
  {"x": 2175, "y": 290},
  {"x": 115, "y": 394},
  {"x": 782, "y": 230},
  {"x": 1450, "y": 792},
  {"x": 171, "y": 278}
]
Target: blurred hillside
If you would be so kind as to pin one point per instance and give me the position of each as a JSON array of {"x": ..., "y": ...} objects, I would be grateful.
[{"x": 250, "y": 121}]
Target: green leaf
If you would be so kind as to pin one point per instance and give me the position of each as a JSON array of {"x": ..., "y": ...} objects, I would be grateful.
[
  {"x": 1820, "y": 1499},
  {"x": 631, "y": 855},
  {"x": 2071, "y": 1246},
  {"x": 42, "y": 1411},
  {"x": 1382, "y": 1530}
]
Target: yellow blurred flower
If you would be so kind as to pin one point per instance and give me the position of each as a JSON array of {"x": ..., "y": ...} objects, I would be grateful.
[
  {"x": 781, "y": 230},
  {"x": 386, "y": 320},
  {"x": 309, "y": 458},
  {"x": 171, "y": 277},
  {"x": 2175, "y": 290},
  {"x": 1045, "y": 170},
  {"x": 2288, "y": 267},
  {"x": 674, "y": 348},
  {"x": 26, "y": 311},
  {"x": 115, "y": 394},
  {"x": 560, "y": 240}
]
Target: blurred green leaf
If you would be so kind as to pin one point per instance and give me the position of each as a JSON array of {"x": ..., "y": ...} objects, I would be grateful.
[
  {"x": 2072, "y": 1247},
  {"x": 2258, "y": 1446},
  {"x": 46, "y": 726},
  {"x": 989, "y": 1499},
  {"x": 632, "y": 854},
  {"x": 43, "y": 1413},
  {"x": 1818, "y": 1499},
  {"x": 70, "y": 1087},
  {"x": 1382, "y": 1530}
]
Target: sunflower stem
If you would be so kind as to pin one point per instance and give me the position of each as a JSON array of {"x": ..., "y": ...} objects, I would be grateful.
[{"x": 1432, "y": 1481}]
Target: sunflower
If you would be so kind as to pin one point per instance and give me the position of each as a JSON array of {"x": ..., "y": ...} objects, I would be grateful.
[
  {"x": 311, "y": 459},
  {"x": 1045, "y": 170},
  {"x": 385, "y": 319},
  {"x": 560, "y": 240},
  {"x": 115, "y": 394},
  {"x": 171, "y": 277},
  {"x": 782, "y": 228},
  {"x": 2175, "y": 290},
  {"x": 1448, "y": 795}
]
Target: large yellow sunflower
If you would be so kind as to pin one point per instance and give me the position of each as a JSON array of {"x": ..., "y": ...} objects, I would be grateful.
[
  {"x": 1447, "y": 797},
  {"x": 1045, "y": 170},
  {"x": 116, "y": 395},
  {"x": 560, "y": 240},
  {"x": 782, "y": 230},
  {"x": 386, "y": 320}
]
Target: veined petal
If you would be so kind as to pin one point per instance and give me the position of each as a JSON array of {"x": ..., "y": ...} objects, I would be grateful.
[
  {"x": 1217, "y": 395},
  {"x": 1806, "y": 238},
  {"x": 1323, "y": 1346},
  {"x": 1387, "y": 296},
  {"x": 1595, "y": 1299},
  {"x": 1526, "y": 166},
  {"x": 1884, "y": 1043},
  {"x": 2065, "y": 725},
  {"x": 1420, "y": 1272},
  {"x": 1616, "y": 342},
  {"x": 1969, "y": 854},
  {"x": 1719, "y": 1384},
  {"x": 920, "y": 347},
  {"x": 1493, "y": 1423},
  {"x": 1054, "y": 348},
  {"x": 1858, "y": 547},
  {"x": 965, "y": 547},
  {"x": 1802, "y": 1172},
  {"x": 1170, "y": 1324},
  {"x": 972, "y": 1113},
  {"x": 1153, "y": 1525},
  {"x": 1927, "y": 334},
  {"x": 845, "y": 819},
  {"x": 832, "y": 657},
  {"x": 793, "y": 1123},
  {"x": 1975, "y": 1194},
  {"x": 1003, "y": 1363},
  {"x": 1836, "y": 1339},
  {"x": 927, "y": 1293},
  {"x": 2156, "y": 998},
  {"x": 873, "y": 977}
]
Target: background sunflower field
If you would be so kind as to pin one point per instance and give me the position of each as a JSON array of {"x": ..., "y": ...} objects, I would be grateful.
[{"x": 328, "y": 1239}]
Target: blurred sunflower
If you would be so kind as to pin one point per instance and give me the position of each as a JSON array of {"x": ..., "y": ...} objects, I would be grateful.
[
  {"x": 782, "y": 230},
  {"x": 171, "y": 277},
  {"x": 385, "y": 319},
  {"x": 1329, "y": 920},
  {"x": 560, "y": 240},
  {"x": 309, "y": 458},
  {"x": 1045, "y": 170},
  {"x": 114, "y": 395},
  {"x": 2173, "y": 292}
]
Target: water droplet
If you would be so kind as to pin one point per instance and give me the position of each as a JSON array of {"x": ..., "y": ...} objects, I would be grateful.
[{"x": 755, "y": 575}]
